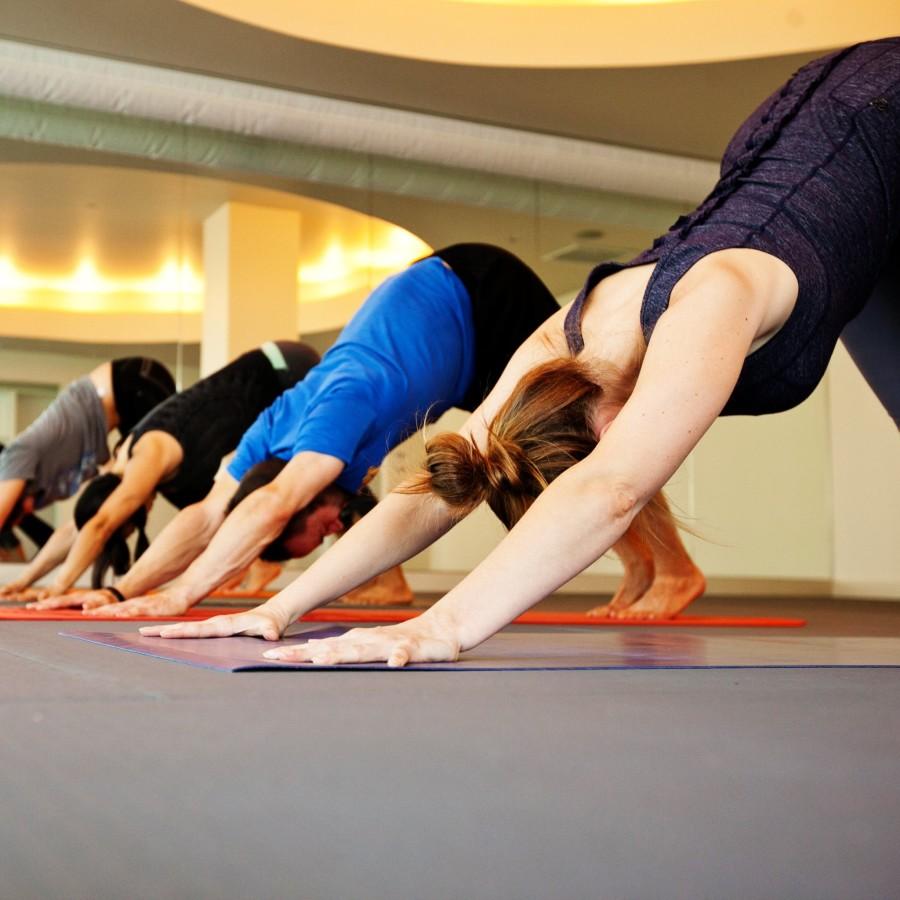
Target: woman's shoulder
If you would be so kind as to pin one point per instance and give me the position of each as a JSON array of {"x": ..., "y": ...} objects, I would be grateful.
[{"x": 756, "y": 278}]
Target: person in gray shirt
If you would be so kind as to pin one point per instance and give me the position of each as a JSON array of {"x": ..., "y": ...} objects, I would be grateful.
[{"x": 68, "y": 443}]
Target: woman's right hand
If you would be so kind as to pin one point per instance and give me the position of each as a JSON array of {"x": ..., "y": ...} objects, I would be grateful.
[{"x": 266, "y": 621}]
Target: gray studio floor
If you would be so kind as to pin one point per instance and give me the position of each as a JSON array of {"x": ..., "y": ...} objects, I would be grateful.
[{"x": 129, "y": 777}]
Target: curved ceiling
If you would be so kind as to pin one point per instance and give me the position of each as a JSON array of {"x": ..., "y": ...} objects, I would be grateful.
[
  {"x": 116, "y": 243},
  {"x": 572, "y": 33}
]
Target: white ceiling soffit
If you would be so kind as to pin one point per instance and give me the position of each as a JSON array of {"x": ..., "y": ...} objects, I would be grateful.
[{"x": 78, "y": 80}]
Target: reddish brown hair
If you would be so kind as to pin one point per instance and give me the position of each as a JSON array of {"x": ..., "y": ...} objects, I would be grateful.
[{"x": 543, "y": 428}]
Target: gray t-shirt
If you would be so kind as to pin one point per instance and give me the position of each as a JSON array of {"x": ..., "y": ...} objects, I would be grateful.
[{"x": 62, "y": 448}]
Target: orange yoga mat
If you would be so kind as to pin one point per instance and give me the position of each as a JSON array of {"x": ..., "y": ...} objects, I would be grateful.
[
  {"x": 346, "y": 614},
  {"x": 20, "y": 614},
  {"x": 382, "y": 616}
]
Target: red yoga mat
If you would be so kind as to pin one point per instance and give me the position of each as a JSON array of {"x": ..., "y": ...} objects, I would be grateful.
[{"x": 385, "y": 616}]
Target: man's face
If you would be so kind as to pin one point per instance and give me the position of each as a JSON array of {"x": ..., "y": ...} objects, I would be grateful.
[{"x": 321, "y": 522}]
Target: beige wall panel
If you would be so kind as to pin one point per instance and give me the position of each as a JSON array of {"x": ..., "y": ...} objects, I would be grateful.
[
  {"x": 7, "y": 415},
  {"x": 250, "y": 256},
  {"x": 866, "y": 472},
  {"x": 761, "y": 494}
]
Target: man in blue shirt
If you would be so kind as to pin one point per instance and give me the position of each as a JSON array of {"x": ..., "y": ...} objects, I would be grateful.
[{"x": 435, "y": 336}]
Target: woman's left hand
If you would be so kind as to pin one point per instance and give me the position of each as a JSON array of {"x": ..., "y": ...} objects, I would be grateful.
[{"x": 397, "y": 645}]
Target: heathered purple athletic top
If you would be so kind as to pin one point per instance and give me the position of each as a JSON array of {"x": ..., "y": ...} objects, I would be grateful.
[{"x": 813, "y": 178}]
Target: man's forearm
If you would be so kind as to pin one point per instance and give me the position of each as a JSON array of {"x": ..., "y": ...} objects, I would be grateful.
[
  {"x": 176, "y": 547},
  {"x": 243, "y": 536}
]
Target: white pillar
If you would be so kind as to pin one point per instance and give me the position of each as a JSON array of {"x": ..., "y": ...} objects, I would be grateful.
[{"x": 250, "y": 256}]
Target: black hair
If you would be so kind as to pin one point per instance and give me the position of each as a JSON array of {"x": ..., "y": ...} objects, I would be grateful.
[
  {"x": 354, "y": 508},
  {"x": 115, "y": 551},
  {"x": 139, "y": 384}
]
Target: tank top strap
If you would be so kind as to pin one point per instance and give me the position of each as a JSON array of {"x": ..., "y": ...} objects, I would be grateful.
[
  {"x": 572, "y": 324},
  {"x": 670, "y": 269}
]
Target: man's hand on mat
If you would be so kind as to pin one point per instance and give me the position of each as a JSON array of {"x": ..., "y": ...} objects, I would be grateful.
[
  {"x": 396, "y": 645},
  {"x": 165, "y": 603},
  {"x": 266, "y": 621}
]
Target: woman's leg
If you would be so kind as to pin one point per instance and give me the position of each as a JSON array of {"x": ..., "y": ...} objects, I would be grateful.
[
  {"x": 637, "y": 560},
  {"x": 660, "y": 576},
  {"x": 873, "y": 338}
]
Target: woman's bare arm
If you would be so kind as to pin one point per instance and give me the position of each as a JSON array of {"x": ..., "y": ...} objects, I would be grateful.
[
  {"x": 690, "y": 369},
  {"x": 399, "y": 527}
]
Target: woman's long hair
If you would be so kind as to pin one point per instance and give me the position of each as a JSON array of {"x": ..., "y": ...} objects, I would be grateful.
[
  {"x": 544, "y": 427},
  {"x": 115, "y": 553}
]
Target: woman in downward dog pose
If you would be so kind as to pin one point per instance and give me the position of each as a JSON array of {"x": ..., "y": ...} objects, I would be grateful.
[{"x": 736, "y": 310}]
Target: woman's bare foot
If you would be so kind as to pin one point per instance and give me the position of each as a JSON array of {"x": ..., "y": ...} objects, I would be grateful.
[
  {"x": 388, "y": 589},
  {"x": 634, "y": 585},
  {"x": 637, "y": 558},
  {"x": 666, "y": 598}
]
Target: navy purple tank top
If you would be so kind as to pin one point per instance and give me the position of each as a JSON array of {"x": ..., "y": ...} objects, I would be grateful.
[{"x": 812, "y": 178}]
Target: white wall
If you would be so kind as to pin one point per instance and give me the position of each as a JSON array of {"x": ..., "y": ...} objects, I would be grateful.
[{"x": 865, "y": 469}]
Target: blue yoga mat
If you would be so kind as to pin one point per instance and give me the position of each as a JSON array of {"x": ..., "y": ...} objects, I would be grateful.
[{"x": 540, "y": 650}]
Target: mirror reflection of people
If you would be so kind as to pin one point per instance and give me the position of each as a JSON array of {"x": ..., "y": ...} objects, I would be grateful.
[
  {"x": 68, "y": 444},
  {"x": 735, "y": 311},
  {"x": 175, "y": 450},
  {"x": 435, "y": 336},
  {"x": 32, "y": 527}
]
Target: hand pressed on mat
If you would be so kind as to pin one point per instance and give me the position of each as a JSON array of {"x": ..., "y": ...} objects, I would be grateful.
[
  {"x": 266, "y": 621},
  {"x": 46, "y": 598},
  {"x": 20, "y": 595},
  {"x": 419, "y": 640},
  {"x": 164, "y": 603}
]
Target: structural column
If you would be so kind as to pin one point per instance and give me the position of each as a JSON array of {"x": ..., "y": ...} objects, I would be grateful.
[{"x": 250, "y": 256}]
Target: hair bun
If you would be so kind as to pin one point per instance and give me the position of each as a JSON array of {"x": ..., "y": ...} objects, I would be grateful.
[
  {"x": 456, "y": 471},
  {"x": 506, "y": 466},
  {"x": 544, "y": 427}
]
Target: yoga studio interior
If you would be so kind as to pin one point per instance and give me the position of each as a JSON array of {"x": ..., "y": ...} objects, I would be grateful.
[{"x": 189, "y": 182}]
